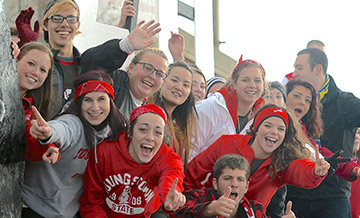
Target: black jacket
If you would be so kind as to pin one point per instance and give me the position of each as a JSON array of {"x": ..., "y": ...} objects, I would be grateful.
[{"x": 341, "y": 117}]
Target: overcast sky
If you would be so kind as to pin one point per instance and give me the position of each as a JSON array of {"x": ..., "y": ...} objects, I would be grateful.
[{"x": 272, "y": 32}]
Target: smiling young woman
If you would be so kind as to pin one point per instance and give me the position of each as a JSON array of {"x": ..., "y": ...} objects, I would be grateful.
[
  {"x": 135, "y": 174},
  {"x": 273, "y": 149}
]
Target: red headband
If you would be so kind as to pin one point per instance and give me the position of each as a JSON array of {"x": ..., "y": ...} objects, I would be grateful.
[
  {"x": 147, "y": 108},
  {"x": 269, "y": 112},
  {"x": 246, "y": 62},
  {"x": 94, "y": 86}
]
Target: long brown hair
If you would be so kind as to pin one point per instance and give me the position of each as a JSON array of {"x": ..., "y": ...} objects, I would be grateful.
[
  {"x": 312, "y": 119},
  {"x": 182, "y": 122},
  {"x": 292, "y": 147},
  {"x": 42, "y": 96}
]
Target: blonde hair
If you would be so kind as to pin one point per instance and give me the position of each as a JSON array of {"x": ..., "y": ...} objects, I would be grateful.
[
  {"x": 139, "y": 54},
  {"x": 58, "y": 6}
]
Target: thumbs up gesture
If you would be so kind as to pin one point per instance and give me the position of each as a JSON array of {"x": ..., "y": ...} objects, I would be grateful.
[
  {"x": 224, "y": 206},
  {"x": 40, "y": 129},
  {"x": 288, "y": 212},
  {"x": 174, "y": 199}
]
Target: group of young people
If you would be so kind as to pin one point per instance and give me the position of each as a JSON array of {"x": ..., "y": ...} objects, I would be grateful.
[{"x": 156, "y": 139}]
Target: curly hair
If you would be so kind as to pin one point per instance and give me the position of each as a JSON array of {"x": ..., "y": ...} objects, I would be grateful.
[
  {"x": 312, "y": 119},
  {"x": 292, "y": 147}
]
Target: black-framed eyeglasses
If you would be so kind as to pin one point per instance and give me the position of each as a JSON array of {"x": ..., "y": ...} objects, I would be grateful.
[
  {"x": 60, "y": 19},
  {"x": 148, "y": 68}
]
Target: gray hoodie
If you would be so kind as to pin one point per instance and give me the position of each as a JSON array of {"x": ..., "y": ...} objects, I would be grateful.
[{"x": 53, "y": 190}]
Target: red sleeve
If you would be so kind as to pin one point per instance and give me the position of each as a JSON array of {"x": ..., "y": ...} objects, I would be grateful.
[
  {"x": 300, "y": 173},
  {"x": 344, "y": 169},
  {"x": 34, "y": 149},
  {"x": 196, "y": 202},
  {"x": 199, "y": 170},
  {"x": 92, "y": 200}
]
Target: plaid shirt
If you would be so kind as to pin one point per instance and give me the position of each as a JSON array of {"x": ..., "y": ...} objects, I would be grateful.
[{"x": 198, "y": 199}]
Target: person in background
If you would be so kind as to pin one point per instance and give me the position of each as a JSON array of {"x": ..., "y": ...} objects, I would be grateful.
[
  {"x": 226, "y": 196},
  {"x": 214, "y": 84},
  {"x": 228, "y": 110},
  {"x": 303, "y": 100},
  {"x": 276, "y": 95},
  {"x": 127, "y": 10},
  {"x": 339, "y": 107},
  {"x": 61, "y": 23},
  {"x": 176, "y": 98},
  {"x": 275, "y": 151},
  {"x": 53, "y": 190},
  {"x": 199, "y": 85},
  {"x": 311, "y": 44},
  {"x": 143, "y": 78},
  {"x": 135, "y": 174}
]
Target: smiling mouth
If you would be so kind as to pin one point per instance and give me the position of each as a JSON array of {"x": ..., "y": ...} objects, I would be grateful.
[
  {"x": 233, "y": 195},
  {"x": 298, "y": 111},
  {"x": 271, "y": 140},
  {"x": 147, "y": 83}
]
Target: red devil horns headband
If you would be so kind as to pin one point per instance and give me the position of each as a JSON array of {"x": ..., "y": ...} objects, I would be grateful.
[
  {"x": 246, "y": 62},
  {"x": 94, "y": 86},
  {"x": 147, "y": 108},
  {"x": 269, "y": 112}
]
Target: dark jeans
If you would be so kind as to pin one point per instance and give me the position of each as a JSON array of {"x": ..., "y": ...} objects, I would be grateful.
[{"x": 322, "y": 208}]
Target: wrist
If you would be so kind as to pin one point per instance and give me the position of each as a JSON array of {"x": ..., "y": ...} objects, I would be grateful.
[{"x": 357, "y": 171}]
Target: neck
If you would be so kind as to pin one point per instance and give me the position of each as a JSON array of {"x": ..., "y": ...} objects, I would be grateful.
[
  {"x": 321, "y": 82},
  {"x": 66, "y": 51},
  {"x": 22, "y": 92},
  {"x": 169, "y": 109},
  {"x": 243, "y": 109},
  {"x": 257, "y": 151}
]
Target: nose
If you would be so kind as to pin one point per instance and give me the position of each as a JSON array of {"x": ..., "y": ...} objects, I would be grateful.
[
  {"x": 95, "y": 106},
  {"x": 150, "y": 136},
  {"x": 234, "y": 183},
  {"x": 64, "y": 23}
]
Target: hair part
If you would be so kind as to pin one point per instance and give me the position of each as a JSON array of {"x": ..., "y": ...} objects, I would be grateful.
[
  {"x": 232, "y": 161},
  {"x": 43, "y": 95}
]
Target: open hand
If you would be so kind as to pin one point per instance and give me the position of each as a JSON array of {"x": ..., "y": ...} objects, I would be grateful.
[
  {"x": 176, "y": 45},
  {"x": 23, "y": 26},
  {"x": 139, "y": 37}
]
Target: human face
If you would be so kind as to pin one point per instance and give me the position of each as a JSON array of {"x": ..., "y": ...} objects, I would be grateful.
[
  {"x": 269, "y": 136},
  {"x": 147, "y": 137},
  {"x": 33, "y": 69},
  {"x": 299, "y": 100},
  {"x": 61, "y": 35},
  {"x": 237, "y": 181},
  {"x": 198, "y": 88},
  {"x": 249, "y": 86},
  {"x": 275, "y": 97},
  {"x": 303, "y": 70},
  {"x": 176, "y": 88},
  {"x": 95, "y": 107},
  {"x": 143, "y": 84}
]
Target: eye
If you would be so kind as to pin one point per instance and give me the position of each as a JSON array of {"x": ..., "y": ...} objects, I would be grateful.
[
  {"x": 102, "y": 98},
  {"x": 87, "y": 99},
  {"x": 296, "y": 96},
  {"x": 148, "y": 68},
  {"x": 267, "y": 125},
  {"x": 31, "y": 64},
  {"x": 258, "y": 81},
  {"x": 43, "y": 70},
  {"x": 245, "y": 80},
  {"x": 186, "y": 85},
  {"x": 143, "y": 130},
  {"x": 158, "y": 133},
  {"x": 278, "y": 97},
  {"x": 281, "y": 129},
  {"x": 202, "y": 86}
]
